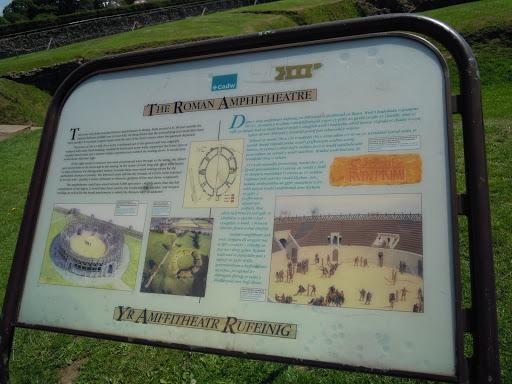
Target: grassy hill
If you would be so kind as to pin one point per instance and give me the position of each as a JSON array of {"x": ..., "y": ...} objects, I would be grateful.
[
  {"x": 22, "y": 104},
  {"x": 43, "y": 357}
]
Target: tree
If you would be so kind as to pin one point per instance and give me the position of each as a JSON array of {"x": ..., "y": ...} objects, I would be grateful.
[
  {"x": 68, "y": 6},
  {"x": 72, "y": 6},
  {"x": 18, "y": 10},
  {"x": 15, "y": 17},
  {"x": 3, "y": 21}
]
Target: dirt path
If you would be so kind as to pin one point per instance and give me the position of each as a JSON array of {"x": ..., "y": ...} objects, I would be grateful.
[
  {"x": 7, "y": 131},
  {"x": 159, "y": 265}
]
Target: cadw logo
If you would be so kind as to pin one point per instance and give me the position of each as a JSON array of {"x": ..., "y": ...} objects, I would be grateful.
[{"x": 224, "y": 82}]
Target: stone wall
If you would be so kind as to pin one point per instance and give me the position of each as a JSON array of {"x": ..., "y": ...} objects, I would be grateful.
[
  {"x": 47, "y": 79},
  {"x": 41, "y": 40},
  {"x": 401, "y": 6}
]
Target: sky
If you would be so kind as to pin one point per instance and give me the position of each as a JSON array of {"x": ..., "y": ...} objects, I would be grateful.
[
  {"x": 346, "y": 204},
  {"x": 3, "y": 4}
]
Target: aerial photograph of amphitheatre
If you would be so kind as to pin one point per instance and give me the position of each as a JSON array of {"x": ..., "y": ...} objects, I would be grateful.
[
  {"x": 89, "y": 246},
  {"x": 357, "y": 251},
  {"x": 177, "y": 256}
]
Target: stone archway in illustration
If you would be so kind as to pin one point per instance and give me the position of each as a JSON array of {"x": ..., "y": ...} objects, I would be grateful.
[{"x": 335, "y": 256}]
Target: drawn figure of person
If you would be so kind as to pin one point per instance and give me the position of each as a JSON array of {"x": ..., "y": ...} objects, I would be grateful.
[
  {"x": 365, "y": 262},
  {"x": 317, "y": 259},
  {"x": 313, "y": 290},
  {"x": 420, "y": 292},
  {"x": 356, "y": 261},
  {"x": 416, "y": 307},
  {"x": 301, "y": 290},
  {"x": 362, "y": 294},
  {"x": 404, "y": 294},
  {"x": 328, "y": 259},
  {"x": 289, "y": 275},
  {"x": 391, "y": 299},
  {"x": 368, "y": 298}
]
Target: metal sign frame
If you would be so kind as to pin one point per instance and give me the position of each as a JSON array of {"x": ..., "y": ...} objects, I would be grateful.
[{"x": 480, "y": 320}]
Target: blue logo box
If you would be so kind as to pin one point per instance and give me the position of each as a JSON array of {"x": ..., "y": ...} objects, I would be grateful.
[{"x": 224, "y": 82}]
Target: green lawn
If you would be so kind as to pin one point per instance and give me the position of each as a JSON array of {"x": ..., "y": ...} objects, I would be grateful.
[
  {"x": 186, "y": 261},
  {"x": 131, "y": 271},
  {"x": 155, "y": 251},
  {"x": 263, "y": 17},
  {"x": 17, "y": 156},
  {"x": 22, "y": 104},
  {"x": 48, "y": 273},
  {"x": 474, "y": 16},
  {"x": 50, "y": 276},
  {"x": 41, "y": 357},
  {"x": 186, "y": 241},
  {"x": 164, "y": 281},
  {"x": 205, "y": 242}
]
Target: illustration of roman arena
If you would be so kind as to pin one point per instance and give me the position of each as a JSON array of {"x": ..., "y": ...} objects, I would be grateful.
[
  {"x": 90, "y": 248},
  {"x": 337, "y": 260}
]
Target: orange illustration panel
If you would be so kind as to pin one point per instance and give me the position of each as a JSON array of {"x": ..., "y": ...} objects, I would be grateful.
[{"x": 376, "y": 170}]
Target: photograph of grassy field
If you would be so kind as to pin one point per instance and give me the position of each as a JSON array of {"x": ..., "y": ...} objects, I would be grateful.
[
  {"x": 46, "y": 357},
  {"x": 177, "y": 256}
]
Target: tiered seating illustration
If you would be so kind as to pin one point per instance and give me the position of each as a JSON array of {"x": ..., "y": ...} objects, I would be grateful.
[{"x": 362, "y": 232}]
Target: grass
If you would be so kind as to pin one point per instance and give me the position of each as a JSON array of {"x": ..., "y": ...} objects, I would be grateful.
[
  {"x": 22, "y": 104},
  {"x": 131, "y": 271},
  {"x": 50, "y": 276},
  {"x": 186, "y": 261},
  {"x": 186, "y": 241},
  {"x": 17, "y": 156},
  {"x": 276, "y": 15},
  {"x": 165, "y": 281},
  {"x": 40, "y": 357},
  {"x": 473, "y": 17},
  {"x": 487, "y": 26},
  {"x": 48, "y": 273},
  {"x": 205, "y": 242},
  {"x": 156, "y": 250}
]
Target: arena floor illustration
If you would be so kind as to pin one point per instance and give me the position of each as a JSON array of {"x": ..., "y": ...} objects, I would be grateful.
[
  {"x": 89, "y": 248},
  {"x": 356, "y": 261}
]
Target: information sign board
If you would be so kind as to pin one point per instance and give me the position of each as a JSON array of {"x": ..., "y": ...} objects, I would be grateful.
[
  {"x": 286, "y": 196},
  {"x": 293, "y": 202}
]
